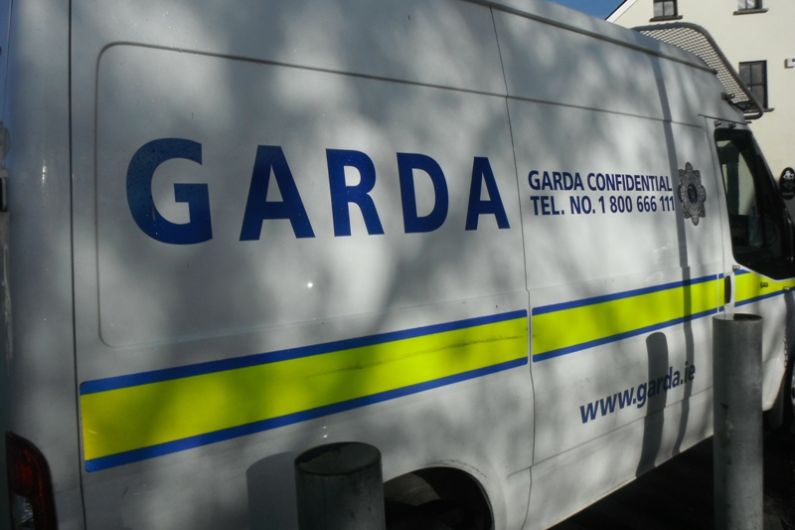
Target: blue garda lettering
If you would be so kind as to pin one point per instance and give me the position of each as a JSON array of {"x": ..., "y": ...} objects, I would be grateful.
[
  {"x": 342, "y": 194},
  {"x": 258, "y": 208},
  {"x": 481, "y": 172},
  {"x": 412, "y": 221},
  {"x": 140, "y": 172},
  {"x": 270, "y": 161}
]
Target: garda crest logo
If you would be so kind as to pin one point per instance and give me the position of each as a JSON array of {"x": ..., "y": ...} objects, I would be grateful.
[{"x": 692, "y": 193}]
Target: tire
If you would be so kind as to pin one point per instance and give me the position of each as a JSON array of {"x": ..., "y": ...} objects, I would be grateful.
[
  {"x": 435, "y": 515},
  {"x": 788, "y": 395},
  {"x": 781, "y": 418}
]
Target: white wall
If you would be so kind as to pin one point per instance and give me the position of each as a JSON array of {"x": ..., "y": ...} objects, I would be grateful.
[{"x": 747, "y": 37}]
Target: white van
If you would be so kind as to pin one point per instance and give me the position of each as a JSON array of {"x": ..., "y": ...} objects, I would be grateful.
[{"x": 485, "y": 237}]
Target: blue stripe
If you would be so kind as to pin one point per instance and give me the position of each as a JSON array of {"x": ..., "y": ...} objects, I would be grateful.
[
  {"x": 142, "y": 378},
  {"x": 624, "y": 294},
  {"x": 621, "y": 336},
  {"x": 759, "y": 298},
  {"x": 145, "y": 453}
]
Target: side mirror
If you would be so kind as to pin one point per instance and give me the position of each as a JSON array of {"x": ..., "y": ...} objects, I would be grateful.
[{"x": 786, "y": 183}]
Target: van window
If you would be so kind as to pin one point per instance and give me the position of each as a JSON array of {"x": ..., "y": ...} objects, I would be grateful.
[{"x": 759, "y": 226}]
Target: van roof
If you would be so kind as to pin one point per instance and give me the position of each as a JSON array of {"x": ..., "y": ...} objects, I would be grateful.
[{"x": 571, "y": 20}]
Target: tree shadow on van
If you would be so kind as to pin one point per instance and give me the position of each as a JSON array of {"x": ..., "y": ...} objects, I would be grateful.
[
  {"x": 266, "y": 506},
  {"x": 657, "y": 352}
]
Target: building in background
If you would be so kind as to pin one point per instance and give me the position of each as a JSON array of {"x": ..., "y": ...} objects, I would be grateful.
[{"x": 757, "y": 38}]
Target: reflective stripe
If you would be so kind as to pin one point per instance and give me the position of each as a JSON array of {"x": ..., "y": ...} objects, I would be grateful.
[
  {"x": 128, "y": 423},
  {"x": 565, "y": 328},
  {"x": 751, "y": 287}
]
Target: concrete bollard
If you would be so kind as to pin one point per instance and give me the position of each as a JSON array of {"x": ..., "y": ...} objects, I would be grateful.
[
  {"x": 339, "y": 487},
  {"x": 737, "y": 445}
]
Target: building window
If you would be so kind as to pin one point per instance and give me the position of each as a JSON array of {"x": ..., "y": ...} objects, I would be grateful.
[
  {"x": 754, "y": 75},
  {"x": 745, "y": 5},
  {"x": 665, "y": 8}
]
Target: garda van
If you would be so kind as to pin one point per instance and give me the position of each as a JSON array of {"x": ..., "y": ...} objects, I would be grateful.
[{"x": 485, "y": 237}]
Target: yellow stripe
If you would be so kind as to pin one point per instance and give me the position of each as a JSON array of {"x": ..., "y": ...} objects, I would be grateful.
[
  {"x": 124, "y": 419},
  {"x": 751, "y": 285},
  {"x": 569, "y": 327}
]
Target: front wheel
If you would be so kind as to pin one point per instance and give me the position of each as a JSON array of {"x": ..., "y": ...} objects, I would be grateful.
[
  {"x": 435, "y": 515},
  {"x": 781, "y": 418},
  {"x": 789, "y": 396}
]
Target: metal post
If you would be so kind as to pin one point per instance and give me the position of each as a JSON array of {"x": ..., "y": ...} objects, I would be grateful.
[
  {"x": 737, "y": 445},
  {"x": 339, "y": 487}
]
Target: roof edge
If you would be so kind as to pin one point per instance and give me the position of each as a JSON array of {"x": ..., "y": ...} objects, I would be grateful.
[{"x": 620, "y": 10}]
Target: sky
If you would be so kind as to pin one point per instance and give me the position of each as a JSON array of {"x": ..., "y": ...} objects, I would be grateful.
[{"x": 596, "y": 8}]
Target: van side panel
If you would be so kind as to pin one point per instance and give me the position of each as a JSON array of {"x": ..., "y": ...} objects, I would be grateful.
[
  {"x": 40, "y": 362},
  {"x": 297, "y": 235},
  {"x": 543, "y": 62},
  {"x": 298, "y": 223},
  {"x": 621, "y": 283},
  {"x": 335, "y": 255},
  {"x": 629, "y": 340}
]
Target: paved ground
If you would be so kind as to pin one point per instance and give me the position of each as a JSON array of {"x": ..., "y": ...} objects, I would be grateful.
[{"x": 678, "y": 495}]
